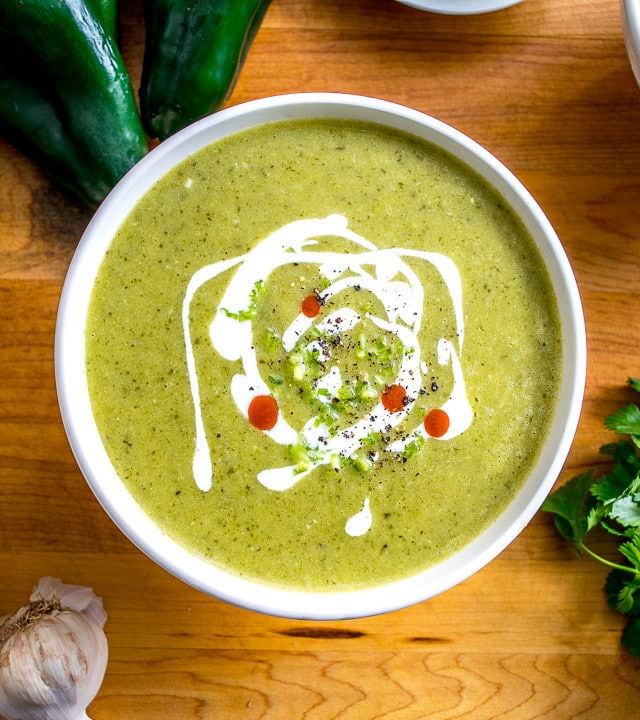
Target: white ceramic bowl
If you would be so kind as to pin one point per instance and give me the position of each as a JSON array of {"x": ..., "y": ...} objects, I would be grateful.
[
  {"x": 130, "y": 518},
  {"x": 630, "y": 12},
  {"x": 460, "y": 7}
]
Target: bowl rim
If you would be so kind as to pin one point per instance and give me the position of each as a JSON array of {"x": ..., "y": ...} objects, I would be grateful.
[
  {"x": 84, "y": 438},
  {"x": 460, "y": 7},
  {"x": 630, "y": 10}
]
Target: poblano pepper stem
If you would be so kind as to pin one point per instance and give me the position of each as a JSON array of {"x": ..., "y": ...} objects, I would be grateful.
[
  {"x": 194, "y": 52},
  {"x": 66, "y": 99}
]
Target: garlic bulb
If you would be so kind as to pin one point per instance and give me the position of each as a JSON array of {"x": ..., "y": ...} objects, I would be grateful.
[{"x": 53, "y": 654}]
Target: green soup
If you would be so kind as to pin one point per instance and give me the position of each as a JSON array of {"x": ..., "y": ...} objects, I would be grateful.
[{"x": 323, "y": 354}]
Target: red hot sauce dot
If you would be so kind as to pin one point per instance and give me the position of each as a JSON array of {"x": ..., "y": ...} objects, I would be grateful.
[
  {"x": 310, "y": 306},
  {"x": 436, "y": 422},
  {"x": 393, "y": 398},
  {"x": 263, "y": 412}
]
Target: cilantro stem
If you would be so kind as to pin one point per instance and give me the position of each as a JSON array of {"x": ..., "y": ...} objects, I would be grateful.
[{"x": 615, "y": 566}]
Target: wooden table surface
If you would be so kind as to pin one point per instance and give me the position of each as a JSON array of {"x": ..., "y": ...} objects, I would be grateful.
[{"x": 546, "y": 86}]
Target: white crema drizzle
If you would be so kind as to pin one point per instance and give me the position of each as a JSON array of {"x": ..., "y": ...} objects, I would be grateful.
[{"x": 401, "y": 294}]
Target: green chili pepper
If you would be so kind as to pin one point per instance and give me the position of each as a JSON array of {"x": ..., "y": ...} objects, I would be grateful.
[
  {"x": 107, "y": 11},
  {"x": 194, "y": 52},
  {"x": 66, "y": 99}
]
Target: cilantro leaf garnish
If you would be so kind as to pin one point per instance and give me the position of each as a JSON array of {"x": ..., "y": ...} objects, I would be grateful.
[
  {"x": 626, "y": 422},
  {"x": 610, "y": 503},
  {"x": 573, "y": 508}
]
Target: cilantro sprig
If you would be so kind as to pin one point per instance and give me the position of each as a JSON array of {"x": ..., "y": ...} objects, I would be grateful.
[{"x": 610, "y": 503}]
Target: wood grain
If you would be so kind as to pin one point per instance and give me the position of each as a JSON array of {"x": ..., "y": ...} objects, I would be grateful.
[{"x": 546, "y": 86}]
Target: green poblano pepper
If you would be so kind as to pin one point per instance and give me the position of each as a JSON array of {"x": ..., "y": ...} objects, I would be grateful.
[
  {"x": 107, "y": 11},
  {"x": 194, "y": 52},
  {"x": 66, "y": 99}
]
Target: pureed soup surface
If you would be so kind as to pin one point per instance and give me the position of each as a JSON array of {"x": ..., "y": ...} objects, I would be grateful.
[{"x": 323, "y": 354}]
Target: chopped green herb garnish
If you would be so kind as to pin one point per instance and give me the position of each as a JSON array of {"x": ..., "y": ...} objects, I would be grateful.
[
  {"x": 298, "y": 366},
  {"x": 250, "y": 312},
  {"x": 371, "y": 440},
  {"x": 413, "y": 446},
  {"x": 610, "y": 503},
  {"x": 271, "y": 340},
  {"x": 303, "y": 455},
  {"x": 358, "y": 462},
  {"x": 386, "y": 351}
]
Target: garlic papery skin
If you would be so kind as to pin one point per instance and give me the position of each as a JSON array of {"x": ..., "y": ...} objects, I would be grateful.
[{"x": 53, "y": 654}]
